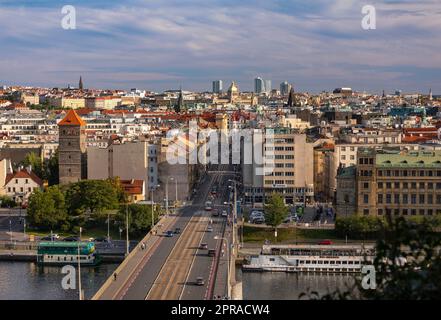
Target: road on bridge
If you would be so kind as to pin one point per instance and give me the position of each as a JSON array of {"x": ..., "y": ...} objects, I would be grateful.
[{"x": 168, "y": 267}]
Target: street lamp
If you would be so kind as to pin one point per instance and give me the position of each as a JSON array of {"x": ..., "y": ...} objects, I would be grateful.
[
  {"x": 79, "y": 268},
  {"x": 166, "y": 192},
  {"x": 153, "y": 205},
  {"x": 228, "y": 269}
]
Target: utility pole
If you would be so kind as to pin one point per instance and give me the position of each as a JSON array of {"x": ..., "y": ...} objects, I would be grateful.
[
  {"x": 79, "y": 268},
  {"x": 127, "y": 229}
]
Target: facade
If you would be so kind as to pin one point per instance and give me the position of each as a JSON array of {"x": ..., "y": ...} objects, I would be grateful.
[
  {"x": 72, "y": 148},
  {"x": 20, "y": 185},
  {"x": 259, "y": 85},
  {"x": 285, "y": 88},
  {"x": 128, "y": 161},
  {"x": 217, "y": 86},
  {"x": 406, "y": 183},
  {"x": 289, "y": 171}
]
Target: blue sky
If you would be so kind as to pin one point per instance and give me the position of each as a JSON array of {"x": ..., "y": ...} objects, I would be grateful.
[{"x": 161, "y": 44}]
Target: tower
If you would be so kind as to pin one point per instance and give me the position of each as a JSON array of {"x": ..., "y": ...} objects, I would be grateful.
[
  {"x": 72, "y": 148},
  {"x": 430, "y": 95},
  {"x": 292, "y": 98},
  {"x": 180, "y": 103},
  {"x": 233, "y": 92},
  {"x": 80, "y": 84}
]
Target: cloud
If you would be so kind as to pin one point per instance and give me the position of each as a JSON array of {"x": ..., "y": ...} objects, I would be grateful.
[{"x": 163, "y": 44}]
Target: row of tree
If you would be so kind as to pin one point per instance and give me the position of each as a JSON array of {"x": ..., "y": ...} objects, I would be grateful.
[{"x": 87, "y": 204}]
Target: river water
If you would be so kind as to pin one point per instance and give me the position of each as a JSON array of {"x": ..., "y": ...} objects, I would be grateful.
[{"x": 24, "y": 280}]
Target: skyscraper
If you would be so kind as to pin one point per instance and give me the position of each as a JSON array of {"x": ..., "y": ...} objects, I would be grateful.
[
  {"x": 268, "y": 86},
  {"x": 217, "y": 86},
  {"x": 285, "y": 88},
  {"x": 259, "y": 85}
]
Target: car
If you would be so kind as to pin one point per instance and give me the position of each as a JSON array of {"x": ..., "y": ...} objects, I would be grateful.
[
  {"x": 101, "y": 239},
  {"x": 203, "y": 246},
  {"x": 71, "y": 239},
  {"x": 259, "y": 220},
  {"x": 211, "y": 252},
  {"x": 325, "y": 243},
  {"x": 177, "y": 230},
  {"x": 169, "y": 234},
  {"x": 53, "y": 237},
  {"x": 200, "y": 281},
  {"x": 208, "y": 206},
  {"x": 215, "y": 213},
  {"x": 224, "y": 213},
  {"x": 210, "y": 229}
]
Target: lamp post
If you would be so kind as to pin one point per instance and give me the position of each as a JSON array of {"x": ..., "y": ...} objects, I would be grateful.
[
  {"x": 127, "y": 229},
  {"x": 79, "y": 269},
  {"x": 228, "y": 269},
  {"x": 153, "y": 205}
]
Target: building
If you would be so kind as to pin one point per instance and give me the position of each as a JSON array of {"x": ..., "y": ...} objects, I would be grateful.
[
  {"x": 346, "y": 195},
  {"x": 259, "y": 85},
  {"x": 128, "y": 161},
  {"x": 268, "y": 86},
  {"x": 20, "y": 185},
  {"x": 72, "y": 148},
  {"x": 285, "y": 88},
  {"x": 287, "y": 170},
  {"x": 217, "y": 86},
  {"x": 401, "y": 183}
]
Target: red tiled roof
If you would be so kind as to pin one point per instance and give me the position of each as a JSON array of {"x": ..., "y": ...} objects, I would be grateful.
[
  {"x": 72, "y": 119},
  {"x": 132, "y": 187},
  {"x": 23, "y": 174}
]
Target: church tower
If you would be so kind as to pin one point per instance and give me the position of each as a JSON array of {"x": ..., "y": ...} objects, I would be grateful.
[
  {"x": 72, "y": 148},
  {"x": 80, "y": 84}
]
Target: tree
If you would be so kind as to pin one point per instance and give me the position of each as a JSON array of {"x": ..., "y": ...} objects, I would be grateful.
[
  {"x": 46, "y": 209},
  {"x": 33, "y": 160},
  {"x": 51, "y": 170},
  {"x": 93, "y": 195},
  {"x": 275, "y": 211},
  {"x": 140, "y": 218},
  {"x": 7, "y": 202}
]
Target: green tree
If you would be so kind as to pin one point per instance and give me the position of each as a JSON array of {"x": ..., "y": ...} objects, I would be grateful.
[
  {"x": 140, "y": 218},
  {"x": 95, "y": 196},
  {"x": 7, "y": 202},
  {"x": 51, "y": 170},
  {"x": 33, "y": 160},
  {"x": 46, "y": 209},
  {"x": 275, "y": 211}
]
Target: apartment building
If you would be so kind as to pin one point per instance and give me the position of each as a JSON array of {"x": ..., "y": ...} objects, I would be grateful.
[
  {"x": 401, "y": 183},
  {"x": 287, "y": 164}
]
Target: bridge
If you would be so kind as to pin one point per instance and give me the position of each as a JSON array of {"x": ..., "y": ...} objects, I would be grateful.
[{"x": 166, "y": 268}]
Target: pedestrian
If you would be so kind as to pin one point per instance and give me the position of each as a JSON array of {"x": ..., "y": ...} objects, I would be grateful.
[{"x": 114, "y": 276}]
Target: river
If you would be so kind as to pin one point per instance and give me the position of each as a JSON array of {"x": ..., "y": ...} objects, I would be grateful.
[{"x": 24, "y": 280}]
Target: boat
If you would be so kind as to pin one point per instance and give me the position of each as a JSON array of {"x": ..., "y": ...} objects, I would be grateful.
[
  {"x": 311, "y": 258},
  {"x": 63, "y": 253}
]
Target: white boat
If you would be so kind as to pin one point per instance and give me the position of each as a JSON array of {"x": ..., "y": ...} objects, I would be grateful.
[{"x": 328, "y": 259}]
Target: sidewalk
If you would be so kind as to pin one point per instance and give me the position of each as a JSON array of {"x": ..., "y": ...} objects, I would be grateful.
[{"x": 114, "y": 289}]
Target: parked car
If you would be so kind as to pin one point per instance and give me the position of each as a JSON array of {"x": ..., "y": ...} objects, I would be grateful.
[
  {"x": 203, "y": 246},
  {"x": 101, "y": 239},
  {"x": 177, "y": 230},
  {"x": 215, "y": 213},
  {"x": 200, "y": 281},
  {"x": 210, "y": 229},
  {"x": 53, "y": 237},
  {"x": 224, "y": 213},
  {"x": 169, "y": 234},
  {"x": 325, "y": 243},
  {"x": 71, "y": 239},
  {"x": 208, "y": 206},
  {"x": 258, "y": 220}
]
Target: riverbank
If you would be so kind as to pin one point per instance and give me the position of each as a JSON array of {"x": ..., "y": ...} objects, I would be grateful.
[{"x": 31, "y": 256}]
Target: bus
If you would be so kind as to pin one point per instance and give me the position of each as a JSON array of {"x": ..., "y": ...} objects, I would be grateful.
[{"x": 63, "y": 253}]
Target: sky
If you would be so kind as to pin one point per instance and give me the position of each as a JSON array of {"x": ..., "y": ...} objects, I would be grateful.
[{"x": 317, "y": 45}]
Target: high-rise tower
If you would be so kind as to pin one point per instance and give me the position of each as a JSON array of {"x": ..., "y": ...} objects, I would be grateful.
[{"x": 72, "y": 148}]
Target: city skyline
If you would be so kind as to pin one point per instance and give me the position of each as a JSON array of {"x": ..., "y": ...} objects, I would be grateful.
[{"x": 168, "y": 44}]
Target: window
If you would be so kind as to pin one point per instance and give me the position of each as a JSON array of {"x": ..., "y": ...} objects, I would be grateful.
[
  {"x": 422, "y": 199},
  {"x": 366, "y": 212},
  {"x": 380, "y": 185},
  {"x": 366, "y": 185},
  {"x": 413, "y": 199},
  {"x": 366, "y": 198},
  {"x": 430, "y": 199},
  {"x": 396, "y": 198},
  {"x": 380, "y": 198},
  {"x": 405, "y": 185},
  {"x": 380, "y": 212},
  {"x": 388, "y": 198},
  {"x": 405, "y": 198}
]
